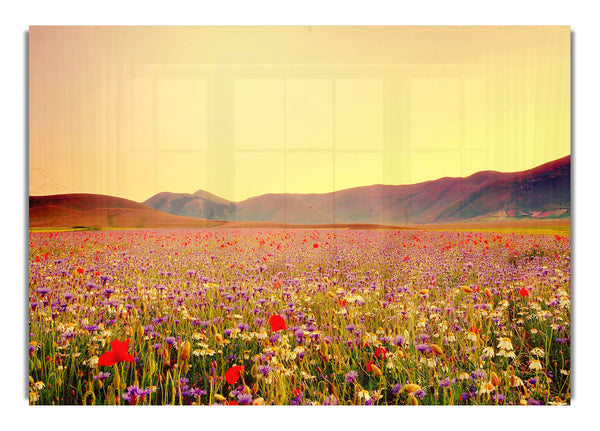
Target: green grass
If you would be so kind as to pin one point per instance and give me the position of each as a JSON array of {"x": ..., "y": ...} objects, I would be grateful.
[{"x": 538, "y": 230}]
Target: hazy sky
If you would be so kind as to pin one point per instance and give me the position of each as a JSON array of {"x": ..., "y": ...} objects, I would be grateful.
[{"x": 243, "y": 111}]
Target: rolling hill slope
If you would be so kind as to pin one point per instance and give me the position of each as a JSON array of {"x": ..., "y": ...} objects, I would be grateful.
[{"x": 92, "y": 210}]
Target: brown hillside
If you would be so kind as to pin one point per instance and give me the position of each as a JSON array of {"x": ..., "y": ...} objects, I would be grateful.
[{"x": 90, "y": 210}]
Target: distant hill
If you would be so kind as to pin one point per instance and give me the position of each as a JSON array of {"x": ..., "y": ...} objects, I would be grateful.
[
  {"x": 540, "y": 193},
  {"x": 92, "y": 210},
  {"x": 200, "y": 204}
]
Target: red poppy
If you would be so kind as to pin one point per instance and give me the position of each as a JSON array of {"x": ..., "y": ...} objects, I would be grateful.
[
  {"x": 474, "y": 329},
  {"x": 277, "y": 323},
  {"x": 233, "y": 374},
  {"x": 315, "y": 245},
  {"x": 524, "y": 292},
  {"x": 369, "y": 366},
  {"x": 233, "y": 403},
  {"x": 79, "y": 270},
  {"x": 343, "y": 302},
  {"x": 117, "y": 354},
  {"x": 380, "y": 352}
]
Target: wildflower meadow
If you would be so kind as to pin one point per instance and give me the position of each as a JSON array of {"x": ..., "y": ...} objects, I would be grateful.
[{"x": 299, "y": 317}]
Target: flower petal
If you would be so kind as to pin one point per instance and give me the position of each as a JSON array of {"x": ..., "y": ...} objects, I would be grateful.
[{"x": 107, "y": 359}]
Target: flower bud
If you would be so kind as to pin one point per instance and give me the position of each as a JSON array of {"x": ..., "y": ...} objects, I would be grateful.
[
  {"x": 494, "y": 379},
  {"x": 411, "y": 387},
  {"x": 185, "y": 350},
  {"x": 515, "y": 381},
  {"x": 165, "y": 353},
  {"x": 323, "y": 347},
  {"x": 220, "y": 398},
  {"x": 488, "y": 292},
  {"x": 258, "y": 402},
  {"x": 117, "y": 379},
  {"x": 437, "y": 349},
  {"x": 376, "y": 370},
  {"x": 466, "y": 289}
]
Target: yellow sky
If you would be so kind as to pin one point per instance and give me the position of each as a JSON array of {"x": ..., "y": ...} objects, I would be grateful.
[{"x": 243, "y": 111}]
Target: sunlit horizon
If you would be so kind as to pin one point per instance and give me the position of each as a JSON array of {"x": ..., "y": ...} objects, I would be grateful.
[{"x": 190, "y": 192}]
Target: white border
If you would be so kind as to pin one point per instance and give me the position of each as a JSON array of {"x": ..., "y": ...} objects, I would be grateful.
[{"x": 583, "y": 21}]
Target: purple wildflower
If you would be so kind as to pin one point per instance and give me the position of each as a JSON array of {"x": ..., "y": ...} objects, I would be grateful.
[
  {"x": 420, "y": 393},
  {"x": 101, "y": 376},
  {"x": 264, "y": 369},
  {"x": 351, "y": 376},
  {"x": 424, "y": 348},
  {"x": 245, "y": 399},
  {"x": 43, "y": 290},
  {"x": 399, "y": 340},
  {"x": 447, "y": 382},
  {"x": 134, "y": 393},
  {"x": 330, "y": 401},
  {"x": 478, "y": 374},
  {"x": 498, "y": 398}
]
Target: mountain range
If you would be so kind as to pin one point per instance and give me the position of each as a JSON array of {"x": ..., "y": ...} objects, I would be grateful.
[{"x": 541, "y": 193}]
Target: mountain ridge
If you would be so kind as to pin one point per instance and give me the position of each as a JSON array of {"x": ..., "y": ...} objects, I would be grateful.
[{"x": 539, "y": 193}]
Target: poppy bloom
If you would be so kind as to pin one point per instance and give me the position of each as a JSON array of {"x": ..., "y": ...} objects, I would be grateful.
[
  {"x": 277, "y": 323},
  {"x": 343, "y": 302},
  {"x": 233, "y": 374},
  {"x": 380, "y": 352},
  {"x": 524, "y": 292},
  {"x": 117, "y": 354}
]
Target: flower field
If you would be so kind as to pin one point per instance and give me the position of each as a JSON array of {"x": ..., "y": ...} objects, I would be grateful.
[{"x": 298, "y": 317}]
